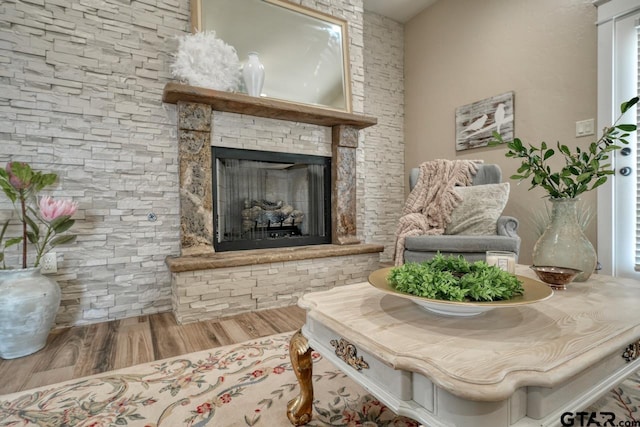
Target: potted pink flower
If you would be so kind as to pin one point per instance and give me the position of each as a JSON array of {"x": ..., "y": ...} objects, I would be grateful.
[
  {"x": 42, "y": 224},
  {"x": 29, "y": 301}
]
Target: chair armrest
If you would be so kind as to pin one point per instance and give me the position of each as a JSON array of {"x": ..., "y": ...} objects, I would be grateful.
[{"x": 507, "y": 226}]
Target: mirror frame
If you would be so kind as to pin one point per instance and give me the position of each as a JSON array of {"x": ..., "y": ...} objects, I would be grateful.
[{"x": 196, "y": 25}]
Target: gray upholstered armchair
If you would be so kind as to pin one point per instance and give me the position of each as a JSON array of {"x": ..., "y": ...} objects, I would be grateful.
[{"x": 471, "y": 247}]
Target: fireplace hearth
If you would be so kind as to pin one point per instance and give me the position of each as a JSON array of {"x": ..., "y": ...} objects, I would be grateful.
[{"x": 266, "y": 199}]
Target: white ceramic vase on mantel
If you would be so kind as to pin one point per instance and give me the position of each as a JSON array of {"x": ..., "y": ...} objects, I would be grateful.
[
  {"x": 253, "y": 74},
  {"x": 29, "y": 303}
]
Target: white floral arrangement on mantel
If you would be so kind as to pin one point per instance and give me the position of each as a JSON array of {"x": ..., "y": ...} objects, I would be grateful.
[{"x": 205, "y": 60}]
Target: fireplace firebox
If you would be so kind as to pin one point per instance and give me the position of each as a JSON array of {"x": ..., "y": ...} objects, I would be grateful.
[{"x": 267, "y": 199}]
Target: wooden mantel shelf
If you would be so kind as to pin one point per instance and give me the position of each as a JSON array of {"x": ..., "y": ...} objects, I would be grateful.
[
  {"x": 266, "y": 256},
  {"x": 263, "y": 107}
]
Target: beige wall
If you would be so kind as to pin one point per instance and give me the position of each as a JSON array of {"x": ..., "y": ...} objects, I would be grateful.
[{"x": 461, "y": 51}]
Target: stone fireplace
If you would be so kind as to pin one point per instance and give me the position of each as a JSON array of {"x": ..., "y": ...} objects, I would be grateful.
[{"x": 208, "y": 282}]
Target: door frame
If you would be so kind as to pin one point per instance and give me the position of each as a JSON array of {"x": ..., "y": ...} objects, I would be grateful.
[{"x": 609, "y": 11}]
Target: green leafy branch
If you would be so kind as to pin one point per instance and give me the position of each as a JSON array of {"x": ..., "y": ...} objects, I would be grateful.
[{"x": 583, "y": 170}]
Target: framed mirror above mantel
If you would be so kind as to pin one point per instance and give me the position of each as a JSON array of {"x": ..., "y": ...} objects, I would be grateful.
[{"x": 304, "y": 52}]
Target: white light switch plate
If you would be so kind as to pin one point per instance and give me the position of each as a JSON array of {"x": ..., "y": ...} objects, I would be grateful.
[{"x": 585, "y": 127}]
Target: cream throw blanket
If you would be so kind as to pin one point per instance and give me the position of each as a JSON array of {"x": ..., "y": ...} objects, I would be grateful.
[{"x": 429, "y": 205}]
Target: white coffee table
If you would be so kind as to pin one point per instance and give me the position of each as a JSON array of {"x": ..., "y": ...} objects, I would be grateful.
[{"x": 519, "y": 366}]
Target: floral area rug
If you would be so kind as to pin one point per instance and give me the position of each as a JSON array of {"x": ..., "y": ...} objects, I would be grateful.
[{"x": 246, "y": 384}]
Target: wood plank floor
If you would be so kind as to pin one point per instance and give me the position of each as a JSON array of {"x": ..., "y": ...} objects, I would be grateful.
[{"x": 86, "y": 350}]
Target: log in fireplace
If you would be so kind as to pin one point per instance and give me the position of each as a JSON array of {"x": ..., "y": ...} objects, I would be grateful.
[{"x": 266, "y": 199}]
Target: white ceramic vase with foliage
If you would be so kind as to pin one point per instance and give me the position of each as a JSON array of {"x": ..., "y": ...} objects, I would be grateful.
[
  {"x": 563, "y": 243},
  {"x": 29, "y": 302}
]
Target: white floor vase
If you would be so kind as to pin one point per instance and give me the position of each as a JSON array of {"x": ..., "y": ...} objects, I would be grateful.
[{"x": 29, "y": 302}]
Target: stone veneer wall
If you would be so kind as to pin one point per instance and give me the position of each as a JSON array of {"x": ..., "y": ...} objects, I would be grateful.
[
  {"x": 257, "y": 133},
  {"x": 213, "y": 293},
  {"x": 383, "y": 146},
  {"x": 80, "y": 93}
]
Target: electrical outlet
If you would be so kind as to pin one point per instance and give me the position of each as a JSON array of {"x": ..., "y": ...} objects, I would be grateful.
[{"x": 49, "y": 263}]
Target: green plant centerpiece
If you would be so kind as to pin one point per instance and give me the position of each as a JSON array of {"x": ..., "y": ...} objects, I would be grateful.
[
  {"x": 453, "y": 278},
  {"x": 563, "y": 244}
]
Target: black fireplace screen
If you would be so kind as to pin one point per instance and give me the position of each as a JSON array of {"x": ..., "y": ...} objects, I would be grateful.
[{"x": 265, "y": 199}]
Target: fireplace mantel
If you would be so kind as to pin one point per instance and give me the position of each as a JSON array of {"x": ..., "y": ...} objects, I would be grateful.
[
  {"x": 263, "y": 107},
  {"x": 195, "y": 109}
]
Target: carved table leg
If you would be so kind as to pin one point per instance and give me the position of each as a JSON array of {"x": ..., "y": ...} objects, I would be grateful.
[{"x": 299, "y": 408}]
